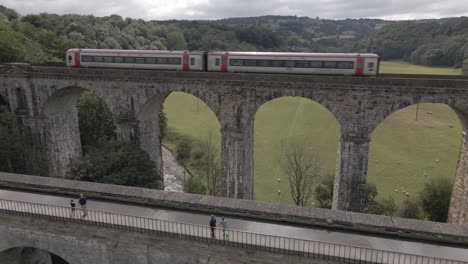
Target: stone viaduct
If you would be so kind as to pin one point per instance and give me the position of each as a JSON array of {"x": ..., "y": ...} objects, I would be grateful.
[{"x": 44, "y": 99}]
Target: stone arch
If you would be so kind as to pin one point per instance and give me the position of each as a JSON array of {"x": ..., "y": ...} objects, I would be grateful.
[
  {"x": 299, "y": 106},
  {"x": 61, "y": 129},
  {"x": 148, "y": 120},
  {"x": 458, "y": 211},
  {"x": 31, "y": 253}
]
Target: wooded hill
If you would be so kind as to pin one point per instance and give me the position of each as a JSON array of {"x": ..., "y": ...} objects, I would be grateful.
[{"x": 45, "y": 37}]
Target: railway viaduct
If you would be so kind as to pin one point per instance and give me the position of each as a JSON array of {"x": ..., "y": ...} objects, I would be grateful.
[{"x": 44, "y": 99}]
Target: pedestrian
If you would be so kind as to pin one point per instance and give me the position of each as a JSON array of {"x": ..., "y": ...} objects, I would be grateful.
[
  {"x": 212, "y": 225},
  {"x": 224, "y": 224},
  {"x": 73, "y": 208},
  {"x": 82, "y": 203}
]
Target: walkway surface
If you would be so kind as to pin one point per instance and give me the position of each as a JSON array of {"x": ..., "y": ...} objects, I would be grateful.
[{"x": 352, "y": 239}]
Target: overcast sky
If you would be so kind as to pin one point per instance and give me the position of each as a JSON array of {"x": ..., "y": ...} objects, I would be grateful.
[{"x": 215, "y": 9}]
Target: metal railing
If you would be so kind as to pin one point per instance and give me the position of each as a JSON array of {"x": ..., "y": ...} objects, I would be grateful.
[{"x": 229, "y": 237}]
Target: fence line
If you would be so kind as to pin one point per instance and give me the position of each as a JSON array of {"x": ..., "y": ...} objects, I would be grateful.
[{"x": 236, "y": 238}]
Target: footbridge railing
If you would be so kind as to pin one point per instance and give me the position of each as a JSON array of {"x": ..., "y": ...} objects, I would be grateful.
[{"x": 228, "y": 237}]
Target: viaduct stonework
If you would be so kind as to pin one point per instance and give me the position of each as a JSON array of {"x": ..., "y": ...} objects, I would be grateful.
[{"x": 44, "y": 102}]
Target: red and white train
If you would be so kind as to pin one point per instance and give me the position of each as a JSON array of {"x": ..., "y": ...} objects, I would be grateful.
[{"x": 358, "y": 64}]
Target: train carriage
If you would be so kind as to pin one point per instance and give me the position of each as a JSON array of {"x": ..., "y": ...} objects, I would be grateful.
[
  {"x": 298, "y": 63},
  {"x": 357, "y": 64},
  {"x": 136, "y": 59}
]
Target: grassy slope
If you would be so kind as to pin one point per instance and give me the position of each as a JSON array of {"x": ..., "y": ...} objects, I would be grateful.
[
  {"x": 405, "y": 67},
  {"x": 403, "y": 152}
]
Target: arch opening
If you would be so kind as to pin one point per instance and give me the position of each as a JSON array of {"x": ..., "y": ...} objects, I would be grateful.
[
  {"x": 411, "y": 147},
  {"x": 18, "y": 255},
  {"x": 68, "y": 126},
  {"x": 192, "y": 134},
  {"x": 280, "y": 122}
]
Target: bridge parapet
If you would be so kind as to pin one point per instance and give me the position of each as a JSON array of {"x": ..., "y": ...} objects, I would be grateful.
[{"x": 315, "y": 217}]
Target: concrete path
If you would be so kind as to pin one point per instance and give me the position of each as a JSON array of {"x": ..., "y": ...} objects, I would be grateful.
[{"x": 382, "y": 243}]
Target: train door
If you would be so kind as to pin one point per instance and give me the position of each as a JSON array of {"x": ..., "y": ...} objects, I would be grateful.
[
  {"x": 77, "y": 59},
  {"x": 360, "y": 66},
  {"x": 186, "y": 59},
  {"x": 224, "y": 63}
]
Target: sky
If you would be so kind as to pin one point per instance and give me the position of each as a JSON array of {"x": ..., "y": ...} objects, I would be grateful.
[{"x": 216, "y": 9}]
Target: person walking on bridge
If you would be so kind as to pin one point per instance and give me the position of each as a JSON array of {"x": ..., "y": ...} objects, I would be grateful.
[
  {"x": 82, "y": 202},
  {"x": 73, "y": 208},
  {"x": 212, "y": 225},
  {"x": 224, "y": 224}
]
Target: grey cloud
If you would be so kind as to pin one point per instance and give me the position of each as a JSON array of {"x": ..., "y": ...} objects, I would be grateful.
[{"x": 215, "y": 9}]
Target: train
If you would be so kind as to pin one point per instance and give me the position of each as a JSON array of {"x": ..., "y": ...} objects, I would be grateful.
[{"x": 354, "y": 64}]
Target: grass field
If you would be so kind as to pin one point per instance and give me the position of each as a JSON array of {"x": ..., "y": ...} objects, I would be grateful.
[
  {"x": 405, "y": 67},
  {"x": 404, "y": 153}
]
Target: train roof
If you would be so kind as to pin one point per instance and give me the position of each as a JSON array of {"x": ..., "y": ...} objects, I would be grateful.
[
  {"x": 130, "y": 52},
  {"x": 293, "y": 54}
]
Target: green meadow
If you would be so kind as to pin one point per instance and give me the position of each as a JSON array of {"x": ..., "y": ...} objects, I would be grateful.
[
  {"x": 404, "y": 152},
  {"x": 408, "y": 68}
]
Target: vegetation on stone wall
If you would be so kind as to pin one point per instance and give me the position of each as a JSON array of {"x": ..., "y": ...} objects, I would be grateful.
[{"x": 106, "y": 160}]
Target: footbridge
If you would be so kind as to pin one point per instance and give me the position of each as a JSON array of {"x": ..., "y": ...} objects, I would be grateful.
[
  {"x": 137, "y": 225},
  {"x": 44, "y": 99}
]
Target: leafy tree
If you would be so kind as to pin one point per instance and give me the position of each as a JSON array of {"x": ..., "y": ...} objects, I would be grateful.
[
  {"x": 324, "y": 192},
  {"x": 116, "y": 163},
  {"x": 300, "y": 164},
  {"x": 162, "y": 123},
  {"x": 465, "y": 67},
  {"x": 95, "y": 120},
  {"x": 410, "y": 208},
  {"x": 195, "y": 185},
  {"x": 176, "y": 41},
  {"x": 379, "y": 206},
  {"x": 183, "y": 150},
  {"x": 11, "y": 46},
  {"x": 435, "y": 199}
]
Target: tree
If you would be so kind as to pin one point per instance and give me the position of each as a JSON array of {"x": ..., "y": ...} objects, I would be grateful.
[
  {"x": 324, "y": 192},
  {"x": 300, "y": 164},
  {"x": 11, "y": 46},
  {"x": 465, "y": 67},
  {"x": 95, "y": 120},
  {"x": 378, "y": 206},
  {"x": 210, "y": 165},
  {"x": 176, "y": 41},
  {"x": 410, "y": 208},
  {"x": 195, "y": 185},
  {"x": 116, "y": 163},
  {"x": 435, "y": 199}
]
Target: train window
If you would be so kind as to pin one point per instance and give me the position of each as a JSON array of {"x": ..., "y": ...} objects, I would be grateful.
[
  {"x": 345, "y": 65},
  {"x": 108, "y": 59},
  {"x": 289, "y": 64},
  {"x": 176, "y": 61},
  {"x": 371, "y": 65},
  {"x": 236, "y": 62},
  {"x": 315, "y": 64},
  {"x": 70, "y": 58},
  {"x": 301, "y": 64},
  {"x": 250, "y": 63},
  {"x": 118, "y": 60},
  {"x": 192, "y": 61},
  {"x": 277, "y": 63},
  {"x": 329, "y": 64},
  {"x": 87, "y": 58},
  {"x": 98, "y": 59},
  {"x": 263, "y": 63},
  {"x": 129, "y": 60},
  {"x": 162, "y": 60},
  {"x": 150, "y": 60},
  {"x": 217, "y": 62},
  {"x": 140, "y": 60}
]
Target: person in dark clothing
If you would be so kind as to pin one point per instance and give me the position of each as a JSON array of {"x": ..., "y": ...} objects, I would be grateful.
[
  {"x": 212, "y": 225},
  {"x": 82, "y": 203},
  {"x": 73, "y": 208}
]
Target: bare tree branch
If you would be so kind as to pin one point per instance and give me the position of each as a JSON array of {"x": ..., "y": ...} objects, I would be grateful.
[{"x": 299, "y": 162}]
